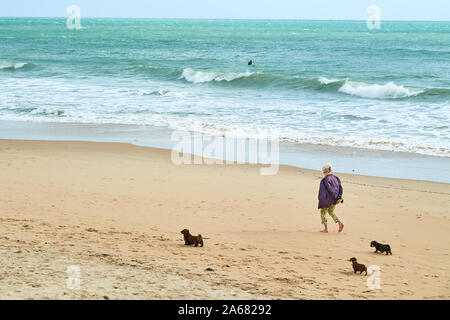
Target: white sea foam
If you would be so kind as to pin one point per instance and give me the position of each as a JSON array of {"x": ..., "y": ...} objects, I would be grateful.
[
  {"x": 196, "y": 76},
  {"x": 187, "y": 107},
  {"x": 7, "y": 64},
  {"x": 161, "y": 92},
  {"x": 378, "y": 91},
  {"x": 324, "y": 80}
]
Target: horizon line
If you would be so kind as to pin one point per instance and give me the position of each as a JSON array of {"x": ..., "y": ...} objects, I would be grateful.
[{"x": 256, "y": 19}]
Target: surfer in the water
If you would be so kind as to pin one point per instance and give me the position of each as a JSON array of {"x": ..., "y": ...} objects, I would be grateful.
[{"x": 250, "y": 62}]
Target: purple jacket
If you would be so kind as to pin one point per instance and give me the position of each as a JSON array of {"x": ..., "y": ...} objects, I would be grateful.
[{"x": 330, "y": 190}]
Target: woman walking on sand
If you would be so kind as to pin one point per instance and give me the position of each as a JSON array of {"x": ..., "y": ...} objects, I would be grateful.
[{"x": 330, "y": 194}]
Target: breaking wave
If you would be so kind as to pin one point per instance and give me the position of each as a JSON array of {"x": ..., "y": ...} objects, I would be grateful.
[
  {"x": 196, "y": 76},
  {"x": 12, "y": 65},
  {"x": 360, "y": 89},
  {"x": 378, "y": 91}
]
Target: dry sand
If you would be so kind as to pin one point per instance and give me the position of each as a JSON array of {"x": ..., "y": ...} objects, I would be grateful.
[{"x": 116, "y": 211}]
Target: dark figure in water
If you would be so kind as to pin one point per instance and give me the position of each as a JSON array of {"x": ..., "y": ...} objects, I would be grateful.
[{"x": 250, "y": 62}]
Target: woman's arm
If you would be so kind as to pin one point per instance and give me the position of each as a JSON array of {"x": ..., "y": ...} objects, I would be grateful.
[{"x": 329, "y": 188}]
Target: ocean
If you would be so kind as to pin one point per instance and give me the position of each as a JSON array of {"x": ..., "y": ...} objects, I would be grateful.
[{"x": 322, "y": 83}]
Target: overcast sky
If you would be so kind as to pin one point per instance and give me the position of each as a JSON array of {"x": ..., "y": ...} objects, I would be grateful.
[{"x": 233, "y": 9}]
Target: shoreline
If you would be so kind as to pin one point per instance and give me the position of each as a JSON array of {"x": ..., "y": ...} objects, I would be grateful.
[
  {"x": 167, "y": 151},
  {"x": 116, "y": 211},
  {"x": 351, "y": 160}
]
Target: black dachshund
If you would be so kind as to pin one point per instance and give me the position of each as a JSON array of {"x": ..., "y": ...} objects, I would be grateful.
[{"x": 381, "y": 247}]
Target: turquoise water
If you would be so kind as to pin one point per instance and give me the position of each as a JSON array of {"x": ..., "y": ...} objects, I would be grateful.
[{"x": 321, "y": 82}]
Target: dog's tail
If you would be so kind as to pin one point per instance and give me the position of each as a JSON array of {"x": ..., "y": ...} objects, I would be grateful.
[{"x": 200, "y": 240}]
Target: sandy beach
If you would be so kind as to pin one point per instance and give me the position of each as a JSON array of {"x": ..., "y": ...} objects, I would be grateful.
[{"x": 116, "y": 211}]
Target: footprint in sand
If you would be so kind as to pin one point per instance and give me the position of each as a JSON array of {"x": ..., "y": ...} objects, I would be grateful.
[{"x": 300, "y": 258}]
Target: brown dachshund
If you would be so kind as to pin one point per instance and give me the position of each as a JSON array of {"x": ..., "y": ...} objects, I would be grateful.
[
  {"x": 357, "y": 266},
  {"x": 189, "y": 239}
]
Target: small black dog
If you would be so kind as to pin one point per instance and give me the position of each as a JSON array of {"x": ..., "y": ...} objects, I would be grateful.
[{"x": 381, "y": 247}]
